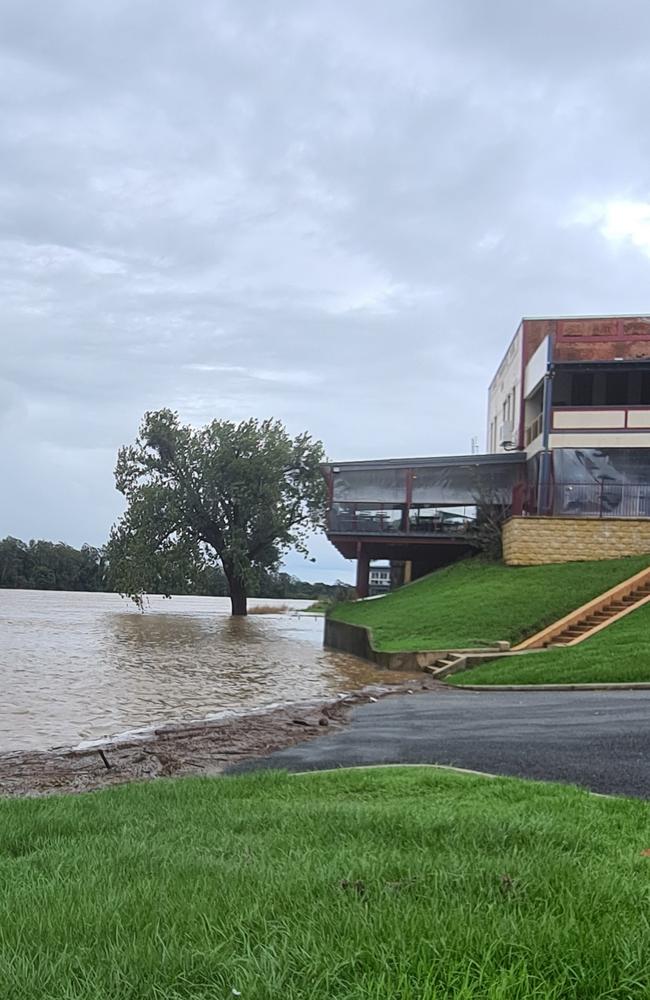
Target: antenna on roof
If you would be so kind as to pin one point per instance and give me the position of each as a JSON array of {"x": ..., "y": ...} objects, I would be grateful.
[{"x": 474, "y": 446}]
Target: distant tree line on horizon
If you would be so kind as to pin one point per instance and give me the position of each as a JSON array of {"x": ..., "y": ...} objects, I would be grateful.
[{"x": 43, "y": 565}]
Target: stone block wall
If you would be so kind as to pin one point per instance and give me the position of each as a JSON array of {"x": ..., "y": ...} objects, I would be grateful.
[{"x": 531, "y": 541}]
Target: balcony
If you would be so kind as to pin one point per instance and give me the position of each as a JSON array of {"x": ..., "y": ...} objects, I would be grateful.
[
  {"x": 366, "y": 519},
  {"x": 600, "y": 418},
  {"x": 603, "y": 499},
  {"x": 534, "y": 428},
  {"x": 414, "y": 508}
]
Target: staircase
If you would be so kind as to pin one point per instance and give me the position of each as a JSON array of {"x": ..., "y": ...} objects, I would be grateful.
[
  {"x": 446, "y": 664},
  {"x": 594, "y": 616}
]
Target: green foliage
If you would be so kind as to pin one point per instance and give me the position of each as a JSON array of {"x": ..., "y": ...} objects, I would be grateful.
[
  {"x": 474, "y": 603},
  {"x": 385, "y": 884},
  {"x": 40, "y": 565},
  {"x": 235, "y": 494},
  {"x": 618, "y": 654},
  {"x": 284, "y": 585}
]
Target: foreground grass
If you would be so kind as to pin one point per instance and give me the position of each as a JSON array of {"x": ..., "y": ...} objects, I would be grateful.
[
  {"x": 474, "y": 603},
  {"x": 618, "y": 654},
  {"x": 397, "y": 883}
]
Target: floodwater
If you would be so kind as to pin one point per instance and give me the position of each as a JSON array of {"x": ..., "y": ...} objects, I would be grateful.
[{"x": 77, "y": 667}]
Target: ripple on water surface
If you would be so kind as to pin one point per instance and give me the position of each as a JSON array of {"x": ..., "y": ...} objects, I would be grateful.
[{"x": 83, "y": 666}]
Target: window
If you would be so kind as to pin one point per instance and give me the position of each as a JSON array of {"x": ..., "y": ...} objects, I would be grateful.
[
  {"x": 645, "y": 389},
  {"x": 582, "y": 393},
  {"x": 616, "y": 389}
]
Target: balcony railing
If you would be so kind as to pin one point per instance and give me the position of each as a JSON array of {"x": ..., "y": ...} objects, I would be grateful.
[
  {"x": 534, "y": 428},
  {"x": 351, "y": 519},
  {"x": 598, "y": 499},
  {"x": 600, "y": 418}
]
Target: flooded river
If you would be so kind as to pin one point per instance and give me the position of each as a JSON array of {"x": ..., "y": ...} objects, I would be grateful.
[{"x": 75, "y": 667}]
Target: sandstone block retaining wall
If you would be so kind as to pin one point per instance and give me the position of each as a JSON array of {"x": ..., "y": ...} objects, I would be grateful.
[{"x": 532, "y": 541}]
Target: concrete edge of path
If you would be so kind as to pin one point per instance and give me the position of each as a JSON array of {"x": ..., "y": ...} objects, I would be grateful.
[
  {"x": 624, "y": 686},
  {"x": 444, "y": 767},
  {"x": 376, "y": 767}
]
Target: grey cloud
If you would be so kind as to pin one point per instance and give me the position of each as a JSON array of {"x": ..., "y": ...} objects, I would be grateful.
[{"x": 331, "y": 213}]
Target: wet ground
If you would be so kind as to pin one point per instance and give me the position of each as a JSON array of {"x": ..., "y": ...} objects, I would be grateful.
[
  {"x": 205, "y": 747},
  {"x": 598, "y": 739}
]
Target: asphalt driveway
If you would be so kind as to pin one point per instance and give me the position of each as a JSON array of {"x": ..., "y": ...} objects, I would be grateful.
[{"x": 599, "y": 739}]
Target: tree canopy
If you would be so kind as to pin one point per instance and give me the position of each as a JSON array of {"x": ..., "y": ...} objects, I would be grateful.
[
  {"x": 41, "y": 565},
  {"x": 234, "y": 495}
]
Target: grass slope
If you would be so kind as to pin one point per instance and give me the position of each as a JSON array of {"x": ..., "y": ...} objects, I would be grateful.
[
  {"x": 473, "y": 603},
  {"x": 618, "y": 654},
  {"x": 395, "y": 883}
]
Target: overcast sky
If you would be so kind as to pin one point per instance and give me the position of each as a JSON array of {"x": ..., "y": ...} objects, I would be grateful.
[{"x": 330, "y": 212}]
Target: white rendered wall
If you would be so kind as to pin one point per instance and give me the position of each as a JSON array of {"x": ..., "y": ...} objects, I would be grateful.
[
  {"x": 536, "y": 368},
  {"x": 504, "y": 395}
]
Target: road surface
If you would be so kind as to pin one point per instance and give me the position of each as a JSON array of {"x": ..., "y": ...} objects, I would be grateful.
[{"x": 598, "y": 739}]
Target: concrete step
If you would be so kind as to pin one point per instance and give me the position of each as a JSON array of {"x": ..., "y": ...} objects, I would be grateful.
[
  {"x": 447, "y": 661},
  {"x": 594, "y": 614},
  {"x": 596, "y": 618}
]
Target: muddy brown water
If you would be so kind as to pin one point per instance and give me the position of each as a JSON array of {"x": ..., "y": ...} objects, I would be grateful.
[{"x": 78, "y": 667}]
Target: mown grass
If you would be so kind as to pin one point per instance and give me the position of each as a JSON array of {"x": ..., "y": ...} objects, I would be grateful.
[
  {"x": 475, "y": 603},
  {"x": 618, "y": 654},
  {"x": 394, "y": 883}
]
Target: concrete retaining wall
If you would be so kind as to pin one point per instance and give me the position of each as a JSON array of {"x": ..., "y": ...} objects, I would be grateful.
[
  {"x": 357, "y": 641},
  {"x": 533, "y": 541}
]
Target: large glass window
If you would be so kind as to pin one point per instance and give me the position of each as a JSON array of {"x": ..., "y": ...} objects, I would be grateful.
[
  {"x": 617, "y": 392},
  {"x": 582, "y": 389},
  {"x": 601, "y": 388},
  {"x": 644, "y": 393},
  {"x": 601, "y": 482}
]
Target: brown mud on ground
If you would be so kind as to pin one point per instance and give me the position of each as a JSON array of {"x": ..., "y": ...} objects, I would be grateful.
[{"x": 204, "y": 747}]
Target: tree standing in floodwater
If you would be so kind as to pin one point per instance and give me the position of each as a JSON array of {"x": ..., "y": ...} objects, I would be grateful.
[{"x": 238, "y": 494}]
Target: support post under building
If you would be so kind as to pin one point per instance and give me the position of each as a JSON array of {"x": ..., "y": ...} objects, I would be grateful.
[{"x": 363, "y": 571}]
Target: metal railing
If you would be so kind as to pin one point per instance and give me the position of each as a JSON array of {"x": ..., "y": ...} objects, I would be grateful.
[
  {"x": 353, "y": 520},
  {"x": 601, "y": 499},
  {"x": 535, "y": 428}
]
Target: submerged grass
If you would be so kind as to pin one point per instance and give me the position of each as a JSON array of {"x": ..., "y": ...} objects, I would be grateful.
[
  {"x": 474, "y": 603},
  {"x": 268, "y": 609},
  {"x": 619, "y": 654},
  {"x": 396, "y": 883}
]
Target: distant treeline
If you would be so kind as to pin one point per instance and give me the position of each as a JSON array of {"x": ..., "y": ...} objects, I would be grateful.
[
  {"x": 50, "y": 566},
  {"x": 40, "y": 565}
]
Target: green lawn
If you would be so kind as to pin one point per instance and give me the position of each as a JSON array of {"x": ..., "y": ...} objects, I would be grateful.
[
  {"x": 474, "y": 603},
  {"x": 393, "y": 884},
  {"x": 617, "y": 654}
]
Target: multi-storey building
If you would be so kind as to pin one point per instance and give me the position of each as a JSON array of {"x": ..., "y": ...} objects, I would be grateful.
[
  {"x": 568, "y": 437},
  {"x": 573, "y": 397}
]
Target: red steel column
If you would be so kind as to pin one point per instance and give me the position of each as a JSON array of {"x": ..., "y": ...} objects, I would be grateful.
[{"x": 363, "y": 570}]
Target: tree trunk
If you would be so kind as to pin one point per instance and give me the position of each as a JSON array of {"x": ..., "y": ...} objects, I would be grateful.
[{"x": 238, "y": 595}]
